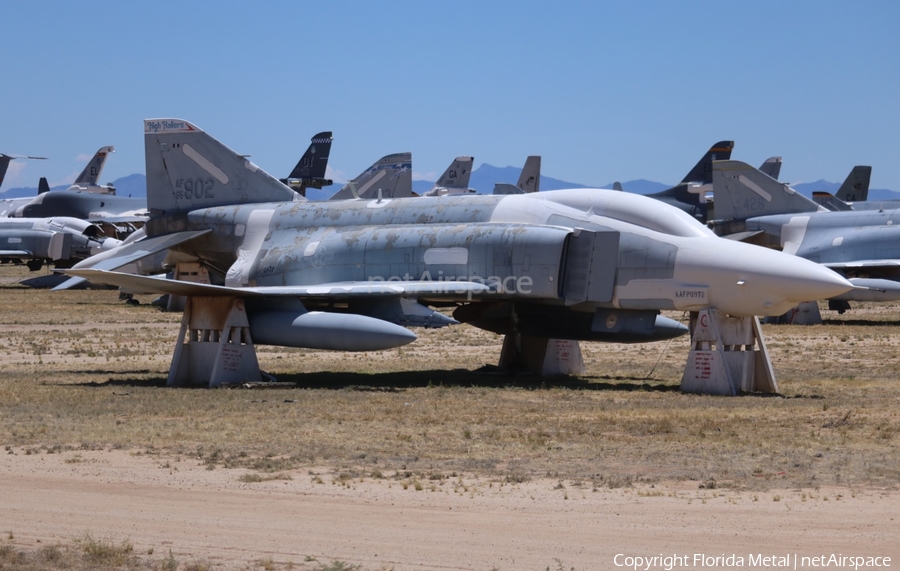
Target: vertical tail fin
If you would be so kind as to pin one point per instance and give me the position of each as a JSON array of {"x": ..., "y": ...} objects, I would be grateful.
[
  {"x": 391, "y": 174},
  {"x": 856, "y": 186},
  {"x": 4, "y": 164},
  {"x": 91, "y": 173},
  {"x": 702, "y": 171},
  {"x": 742, "y": 192},
  {"x": 187, "y": 169},
  {"x": 314, "y": 161},
  {"x": 43, "y": 185},
  {"x": 772, "y": 167},
  {"x": 530, "y": 179},
  {"x": 617, "y": 186},
  {"x": 310, "y": 170},
  {"x": 457, "y": 174}
]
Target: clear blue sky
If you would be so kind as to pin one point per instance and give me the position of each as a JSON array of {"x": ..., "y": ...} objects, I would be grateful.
[{"x": 603, "y": 91}]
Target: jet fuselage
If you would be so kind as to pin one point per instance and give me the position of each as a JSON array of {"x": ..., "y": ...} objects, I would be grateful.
[{"x": 644, "y": 254}]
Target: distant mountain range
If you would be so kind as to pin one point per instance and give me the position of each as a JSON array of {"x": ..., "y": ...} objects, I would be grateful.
[{"x": 482, "y": 180}]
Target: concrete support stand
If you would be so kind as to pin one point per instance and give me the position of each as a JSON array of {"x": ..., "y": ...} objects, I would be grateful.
[
  {"x": 807, "y": 313},
  {"x": 214, "y": 345},
  {"x": 540, "y": 355},
  {"x": 728, "y": 356},
  {"x": 186, "y": 272}
]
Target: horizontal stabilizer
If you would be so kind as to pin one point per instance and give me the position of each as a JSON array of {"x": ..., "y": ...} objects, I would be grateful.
[
  {"x": 830, "y": 201},
  {"x": 124, "y": 255},
  {"x": 506, "y": 188}
]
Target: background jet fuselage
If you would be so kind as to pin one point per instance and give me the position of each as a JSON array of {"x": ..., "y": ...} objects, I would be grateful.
[{"x": 831, "y": 237}]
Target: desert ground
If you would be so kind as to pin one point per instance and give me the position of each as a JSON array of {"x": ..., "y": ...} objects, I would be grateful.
[{"x": 413, "y": 459}]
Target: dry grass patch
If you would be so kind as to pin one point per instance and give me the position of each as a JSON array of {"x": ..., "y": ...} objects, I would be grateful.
[{"x": 82, "y": 370}]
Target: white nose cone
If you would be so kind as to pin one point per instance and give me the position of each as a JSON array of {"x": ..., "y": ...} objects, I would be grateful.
[{"x": 747, "y": 280}]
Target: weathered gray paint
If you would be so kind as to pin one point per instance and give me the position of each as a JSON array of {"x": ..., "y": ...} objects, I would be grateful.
[{"x": 269, "y": 245}]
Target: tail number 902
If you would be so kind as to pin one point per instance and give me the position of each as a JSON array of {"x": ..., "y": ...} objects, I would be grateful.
[{"x": 194, "y": 189}]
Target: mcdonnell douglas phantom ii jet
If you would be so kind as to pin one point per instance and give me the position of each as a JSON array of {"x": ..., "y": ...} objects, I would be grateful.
[
  {"x": 351, "y": 275},
  {"x": 860, "y": 245}
]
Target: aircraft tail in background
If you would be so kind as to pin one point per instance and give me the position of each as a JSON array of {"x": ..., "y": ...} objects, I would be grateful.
[
  {"x": 530, "y": 179},
  {"x": 702, "y": 171},
  {"x": 391, "y": 175},
  {"x": 310, "y": 170},
  {"x": 772, "y": 167},
  {"x": 856, "y": 185},
  {"x": 742, "y": 192},
  {"x": 455, "y": 179},
  {"x": 91, "y": 173}
]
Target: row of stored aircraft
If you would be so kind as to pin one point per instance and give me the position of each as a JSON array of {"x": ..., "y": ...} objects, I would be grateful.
[
  {"x": 69, "y": 226},
  {"x": 66, "y": 226},
  {"x": 354, "y": 273}
]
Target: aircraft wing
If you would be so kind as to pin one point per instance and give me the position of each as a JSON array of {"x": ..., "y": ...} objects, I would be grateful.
[
  {"x": 152, "y": 284},
  {"x": 129, "y": 253}
]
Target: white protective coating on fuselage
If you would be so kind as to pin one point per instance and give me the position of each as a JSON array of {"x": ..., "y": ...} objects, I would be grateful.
[{"x": 737, "y": 278}]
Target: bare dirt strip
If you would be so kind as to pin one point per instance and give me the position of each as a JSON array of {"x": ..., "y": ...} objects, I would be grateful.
[{"x": 316, "y": 518}]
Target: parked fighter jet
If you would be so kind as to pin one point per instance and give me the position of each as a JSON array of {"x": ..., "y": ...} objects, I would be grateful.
[
  {"x": 86, "y": 200},
  {"x": 61, "y": 241},
  {"x": 102, "y": 209},
  {"x": 861, "y": 245},
  {"x": 455, "y": 179},
  {"x": 583, "y": 264},
  {"x": 529, "y": 179},
  {"x": 310, "y": 170},
  {"x": 389, "y": 177}
]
